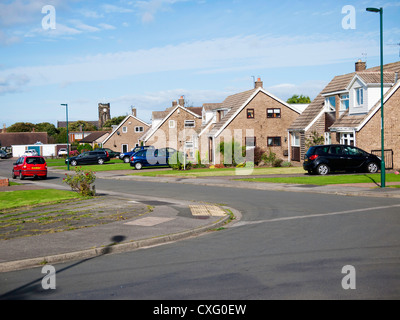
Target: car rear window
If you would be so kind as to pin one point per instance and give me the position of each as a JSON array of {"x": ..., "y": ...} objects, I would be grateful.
[{"x": 35, "y": 160}]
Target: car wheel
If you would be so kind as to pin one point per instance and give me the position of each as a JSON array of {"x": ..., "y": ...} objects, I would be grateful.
[
  {"x": 21, "y": 176},
  {"x": 13, "y": 175},
  {"x": 372, "y": 167},
  {"x": 322, "y": 169},
  {"x": 138, "y": 166},
  {"x": 73, "y": 163},
  {"x": 100, "y": 161},
  {"x": 126, "y": 159}
]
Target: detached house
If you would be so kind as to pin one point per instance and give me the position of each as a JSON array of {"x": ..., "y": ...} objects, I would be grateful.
[
  {"x": 127, "y": 134},
  {"x": 177, "y": 127},
  {"x": 346, "y": 112},
  {"x": 254, "y": 118}
]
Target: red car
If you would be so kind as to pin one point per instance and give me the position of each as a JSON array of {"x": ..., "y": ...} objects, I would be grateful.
[{"x": 34, "y": 166}]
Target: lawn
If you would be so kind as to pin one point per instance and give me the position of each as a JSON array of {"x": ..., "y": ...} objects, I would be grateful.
[
  {"x": 329, "y": 179},
  {"x": 219, "y": 172},
  {"x": 114, "y": 164},
  {"x": 14, "y": 199}
]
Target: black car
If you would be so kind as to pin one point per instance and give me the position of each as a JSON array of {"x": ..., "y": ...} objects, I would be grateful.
[
  {"x": 90, "y": 157},
  {"x": 111, "y": 153},
  {"x": 326, "y": 158},
  {"x": 3, "y": 154}
]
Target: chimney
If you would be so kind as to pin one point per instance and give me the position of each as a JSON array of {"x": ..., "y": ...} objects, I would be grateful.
[
  {"x": 4, "y": 128},
  {"x": 258, "y": 84},
  {"x": 174, "y": 103},
  {"x": 360, "y": 66},
  {"x": 396, "y": 77},
  {"x": 134, "y": 112},
  {"x": 181, "y": 101}
]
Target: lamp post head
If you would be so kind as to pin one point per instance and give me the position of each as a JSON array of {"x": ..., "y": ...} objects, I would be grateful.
[
  {"x": 374, "y": 10},
  {"x": 64, "y": 104}
]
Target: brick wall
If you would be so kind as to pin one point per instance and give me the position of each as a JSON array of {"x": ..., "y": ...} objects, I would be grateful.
[
  {"x": 130, "y": 137},
  {"x": 264, "y": 127},
  {"x": 369, "y": 137},
  {"x": 4, "y": 182}
]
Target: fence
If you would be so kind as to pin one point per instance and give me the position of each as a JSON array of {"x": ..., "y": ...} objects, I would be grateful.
[{"x": 388, "y": 157}]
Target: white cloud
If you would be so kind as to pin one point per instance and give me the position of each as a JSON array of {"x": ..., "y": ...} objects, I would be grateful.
[
  {"x": 148, "y": 9},
  {"x": 213, "y": 56}
]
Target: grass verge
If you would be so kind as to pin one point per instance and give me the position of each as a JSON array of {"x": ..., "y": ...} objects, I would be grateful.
[
  {"x": 329, "y": 179},
  {"x": 20, "y": 198}
]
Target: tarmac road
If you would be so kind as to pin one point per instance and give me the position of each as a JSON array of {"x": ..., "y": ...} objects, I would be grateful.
[{"x": 288, "y": 245}]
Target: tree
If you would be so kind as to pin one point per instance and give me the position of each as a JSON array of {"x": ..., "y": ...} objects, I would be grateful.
[
  {"x": 47, "y": 127},
  {"x": 295, "y": 99},
  {"x": 86, "y": 126},
  {"x": 21, "y": 127},
  {"x": 114, "y": 121}
]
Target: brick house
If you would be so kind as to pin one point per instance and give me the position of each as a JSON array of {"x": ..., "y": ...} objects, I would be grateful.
[
  {"x": 254, "y": 118},
  {"x": 177, "y": 127},
  {"x": 346, "y": 112},
  {"x": 127, "y": 134}
]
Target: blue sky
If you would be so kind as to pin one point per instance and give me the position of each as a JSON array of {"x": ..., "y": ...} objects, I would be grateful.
[{"x": 147, "y": 53}]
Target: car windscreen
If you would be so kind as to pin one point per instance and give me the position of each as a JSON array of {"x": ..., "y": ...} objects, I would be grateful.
[{"x": 35, "y": 161}]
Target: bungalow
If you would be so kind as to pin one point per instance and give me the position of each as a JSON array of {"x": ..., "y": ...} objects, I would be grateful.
[
  {"x": 346, "y": 112},
  {"x": 254, "y": 118},
  {"x": 127, "y": 134},
  {"x": 95, "y": 138}
]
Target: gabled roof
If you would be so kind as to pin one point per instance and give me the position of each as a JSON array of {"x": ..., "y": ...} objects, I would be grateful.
[
  {"x": 94, "y": 136},
  {"x": 236, "y": 103},
  {"x": 152, "y": 130},
  {"x": 122, "y": 123},
  {"x": 336, "y": 85},
  {"x": 211, "y": 106},
  {"x": 7, "y": 139},
  {"x": 357, "y": 121}
]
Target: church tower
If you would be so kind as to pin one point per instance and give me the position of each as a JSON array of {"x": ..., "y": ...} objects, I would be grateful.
[{"x": 104, "y": 114}]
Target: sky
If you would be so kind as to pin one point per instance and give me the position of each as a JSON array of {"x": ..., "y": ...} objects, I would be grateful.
[{"x": 147, "y": 53}]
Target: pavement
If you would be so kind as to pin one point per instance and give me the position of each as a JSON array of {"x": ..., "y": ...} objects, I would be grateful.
[{"x": 158, "y": 222}]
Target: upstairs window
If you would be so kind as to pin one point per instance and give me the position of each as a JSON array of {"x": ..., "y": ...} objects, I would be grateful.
[
  {"x": 344, "y": 102},
  {"x": 359, "y": 97},
  {"x": 139, "y": 129},
  {"x": 274, "y": 113},
  {"x": 330, "y": 103},
  {"x": 190, "y": 123},
  {"x": 250, "y": 113}
]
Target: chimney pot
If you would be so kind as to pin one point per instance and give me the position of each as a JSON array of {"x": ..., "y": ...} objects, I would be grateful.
[
  {"x": 134, "y": 112},
  {"x": 182, "y": 101},
  {"x": 174, "y": 103},
  {"x": 258, "y": 84},
  {"x": 360, "y": 66}
]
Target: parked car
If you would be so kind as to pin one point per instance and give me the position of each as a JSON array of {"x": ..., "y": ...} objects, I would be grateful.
[
  {"x": 3, "y": 154},
  {"x": 30, "y": 166},
  {"x": 112, "y": 153},
  {"x": 126, "y": 156},
  {"x": 151, "y": 157},
  {"x": 89, "y": 157},
  {"x": 31, "y": 152},
  {"x": 62, "y": 152},
  {"x": 326, "y": 158}
]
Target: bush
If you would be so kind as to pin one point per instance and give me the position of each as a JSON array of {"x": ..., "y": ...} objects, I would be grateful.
[
  {"x": 176, "y": 162},
  {"x": 277, "y": 163},
  {"x": 286, "y": 164},
  {"x": 269, "y": 158},
  {"x": 81, "y": 182}
]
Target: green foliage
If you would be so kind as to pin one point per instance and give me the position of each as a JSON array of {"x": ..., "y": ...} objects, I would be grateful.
[
  {"x": 232, "y": 152},
  {"x": 81, "y": 181},
  {"x": 76, "y": 126},
  {"x": 114, "y": 121},
  {"x": 269, "y": 158},
  {"x": 21, "y": 127},
  {"x": 177, "y": 162},
  {"x": 314, "y": 140},
  {"x": 296, "y": 99},
  {"x": 84, "y": 147}
]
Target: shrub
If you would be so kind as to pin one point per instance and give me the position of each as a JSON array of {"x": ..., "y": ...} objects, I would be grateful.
[
  {"x": 269, "y": 158},
  {"x": 176, "y": 162},
  {"x": 286, "y": 164},
  {"x": 277, "y": 163},
  {"x": 81, "y": 181}
]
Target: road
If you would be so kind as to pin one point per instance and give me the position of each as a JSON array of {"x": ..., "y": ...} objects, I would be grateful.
[{"x": 286, "y": 246}]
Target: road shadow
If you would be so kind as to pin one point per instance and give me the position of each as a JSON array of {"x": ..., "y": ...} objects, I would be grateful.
[{"x": 35, "y": 287}]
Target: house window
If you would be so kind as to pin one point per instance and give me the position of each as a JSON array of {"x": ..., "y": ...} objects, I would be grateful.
[
  {"x": 330, "y": 103},
  {"x": 274, "y": 141},
  {"x": 273, "y": 113},
  {"x": 139, "y": 129},
  {"x": 250, "y": 142},
  {"x": 347, "y": 139},
  {"x": 344, "y": 102},
  {"x": 190, "y": 123},
  {"x": 250, "y": 113},
  {"x": 124, "y": 129},
  {"x": 171, "y": 124},
  {"x": 295, "y": 139},
  {"x": 327, "y": 138},
  {"x": 359, "y": 96}
]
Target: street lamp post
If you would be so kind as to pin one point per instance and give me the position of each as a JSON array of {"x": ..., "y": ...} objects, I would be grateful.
[
  {"x": 383, "y": 167},
  {"x": 66, "y": 108}
]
